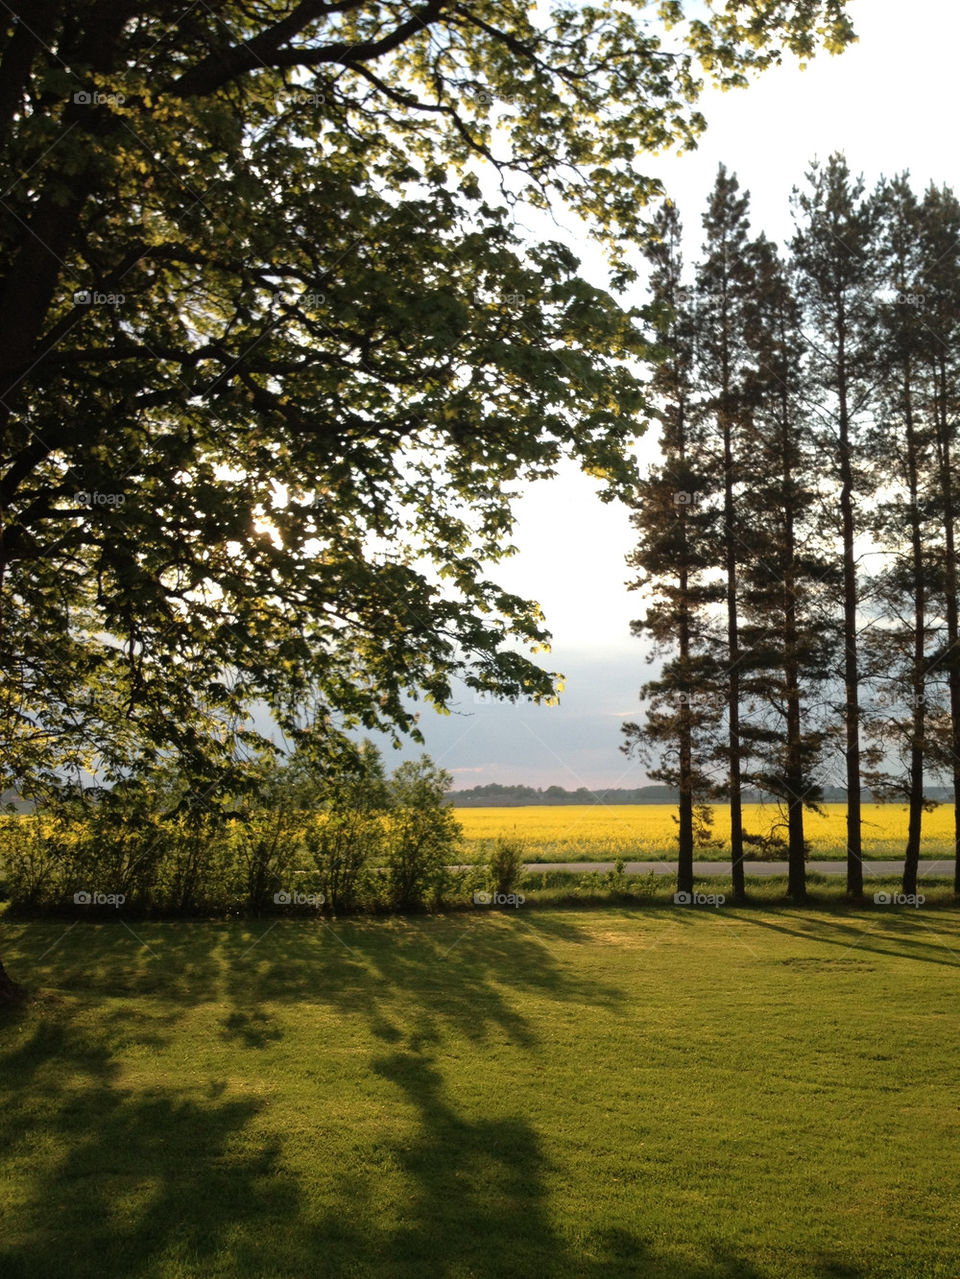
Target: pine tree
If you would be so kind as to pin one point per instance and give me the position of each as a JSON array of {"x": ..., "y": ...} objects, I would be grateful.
[
  {"x": 671, "y": 558},
  {"x": 784, "y": 572},
  {"x": 901, "y": 524},
  {"x": 833, "y": 256},
  {"x": 723, "y": 285},
  {"x": 941, "y": 284}
]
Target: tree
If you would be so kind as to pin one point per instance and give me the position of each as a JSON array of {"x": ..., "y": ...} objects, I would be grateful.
[
  {"x": 836, "y": 276},
  {"x": 941, "y": 287},
  {"x": 906, "y": 590},
  {"x": 724, "y": 282},
  {"x": 270, "y": 362},
  {"x": 786, "y": 569},
  {"x": 675, "y": 548}
]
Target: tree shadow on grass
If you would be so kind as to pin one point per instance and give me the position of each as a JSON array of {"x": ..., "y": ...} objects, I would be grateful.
[
  {"x": 113, "y": 1179},
  {"x": 108, "y": 1181},
  {"x": 465, "y": 974},
  {"x": 892, "y": 936},
  {"x": 478, "y": 1206}
]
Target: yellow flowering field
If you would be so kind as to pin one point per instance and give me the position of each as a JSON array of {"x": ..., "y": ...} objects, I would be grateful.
[{"x": 646, "y": 832}]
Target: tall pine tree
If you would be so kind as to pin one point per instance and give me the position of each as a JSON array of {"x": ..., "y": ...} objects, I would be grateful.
[
  {"x": 836, "y": 274},
  {"x": 941, "y": 283},
  {"x": 723, "y": 285},
  {"x": 672, "y": 556},
  {"x": 785, "y": 570}
]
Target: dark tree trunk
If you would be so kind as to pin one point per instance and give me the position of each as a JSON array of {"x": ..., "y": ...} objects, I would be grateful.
[
  {"x": 10, "y": 992},
  {"x": 851, "y": 670},
  {"x": 796, "y": 851},
  {"x": 685, "y": 813},
  {"x": 733, "y": 649},
  {"x": 911, "y": 859},
  {"x": 950, "y": 594}
]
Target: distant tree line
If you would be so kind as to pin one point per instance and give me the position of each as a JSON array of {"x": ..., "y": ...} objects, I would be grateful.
[
  {"x": 797, "y": 541},
  {"x": 498, "y": 795},
  {"x": 494, "y": 795}
]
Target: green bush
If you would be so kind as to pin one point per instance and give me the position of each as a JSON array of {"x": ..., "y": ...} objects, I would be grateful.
[
  {"x": 422, "y": 835},
  {"x": 360, "y": 840},
  {"x": 345, "y": 846},
  {"x": 505, "y": 865}
]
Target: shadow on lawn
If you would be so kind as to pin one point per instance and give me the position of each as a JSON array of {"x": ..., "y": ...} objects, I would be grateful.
[
  {"x": 892, "y": 935},
  {"x": 152, "y": 1185},
  {"x": 119, "y": 1179},
  {"x": 128, "y": 1182}
]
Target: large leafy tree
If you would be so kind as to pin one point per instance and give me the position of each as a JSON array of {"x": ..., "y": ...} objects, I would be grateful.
[{"x": 270, "y": 360}]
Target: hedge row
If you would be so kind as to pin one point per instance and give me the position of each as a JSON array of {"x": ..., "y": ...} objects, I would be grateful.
[{"x": 270, "y": 860}]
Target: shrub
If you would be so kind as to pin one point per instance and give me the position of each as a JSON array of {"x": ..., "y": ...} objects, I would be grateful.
[
  {"x": 505, "y": 865},
  {"x": 344, "y": 845},
  {"x": 422, "y": 834}
]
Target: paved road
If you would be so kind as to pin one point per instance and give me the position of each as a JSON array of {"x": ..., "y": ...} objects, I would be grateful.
[{"x": 874, "y": 868}]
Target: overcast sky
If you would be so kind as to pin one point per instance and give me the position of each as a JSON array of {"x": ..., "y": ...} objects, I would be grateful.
[{"x": 889, "y": 104}]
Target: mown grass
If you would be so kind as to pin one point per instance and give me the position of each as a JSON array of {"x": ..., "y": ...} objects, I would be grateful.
[
  {"x": 652, "y": 1091},
  {"x": 647, "y": 832}
]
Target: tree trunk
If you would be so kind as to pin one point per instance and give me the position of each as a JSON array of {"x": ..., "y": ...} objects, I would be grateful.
[
  {"x": 911, "y": 859},
  {"x": 796, "y": 850},
  {"x": 733, "y": 650},
  {"x": 685, "y": 813},
  {"x": 10, "y": 992},
  {"x": 950, "y": 594},
  {"x": 851, "y": 672}
]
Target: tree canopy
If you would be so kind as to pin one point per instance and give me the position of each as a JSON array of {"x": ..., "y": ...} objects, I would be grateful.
[{"x": 273, "y": 356}]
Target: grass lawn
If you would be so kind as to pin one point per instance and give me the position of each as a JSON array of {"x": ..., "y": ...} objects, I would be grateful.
[{"x": 585, "y": 1093}]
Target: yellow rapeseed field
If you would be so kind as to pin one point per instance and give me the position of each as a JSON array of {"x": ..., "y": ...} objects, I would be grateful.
[{"x": 647, "y": 832}]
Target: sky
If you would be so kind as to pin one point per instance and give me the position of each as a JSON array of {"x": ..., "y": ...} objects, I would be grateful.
[{"x": 888, "y": 104}]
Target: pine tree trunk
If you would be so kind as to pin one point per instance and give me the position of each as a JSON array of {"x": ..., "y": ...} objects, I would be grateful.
[
  {"x": 797, "y": 867},
  {"x": 911, "y": 859},
  {"x": 851, "y": 672},
  {"x": 733, "y": 650},
  {"x": 685, "y": 813},
  {"x": 950, "y": 593},
  {"x": 796, "y": 850}
]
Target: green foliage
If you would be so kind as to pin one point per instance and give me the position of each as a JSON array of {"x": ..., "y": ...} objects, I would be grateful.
[
  {"x": 505, "y": 865},
  {"x": 271, "y": 365},
  {"x": 345, "y": 846},
  {"x": 422, "y": 834},
  {"x": 359, "y": 840}
]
